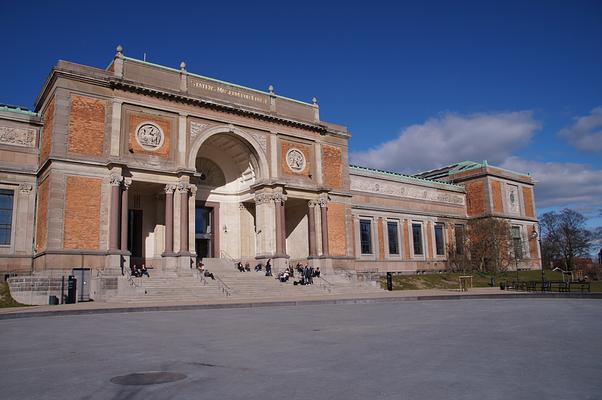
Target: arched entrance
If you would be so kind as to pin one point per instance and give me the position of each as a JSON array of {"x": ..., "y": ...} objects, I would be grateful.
[{"x": 227, "y": 162}]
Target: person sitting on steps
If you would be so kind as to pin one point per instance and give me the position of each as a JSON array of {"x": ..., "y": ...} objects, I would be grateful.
[
  {"x": 258, "y": 267},
  {"x": 247, "y": 267},
  {"x": 240, "y": 267},
  {"x": 144, "y": 271}
]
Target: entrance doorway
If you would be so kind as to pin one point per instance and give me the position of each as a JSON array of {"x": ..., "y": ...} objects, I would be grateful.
[
  {"x": 135, "y": 236},
  {"x": 204, "y": 232}
]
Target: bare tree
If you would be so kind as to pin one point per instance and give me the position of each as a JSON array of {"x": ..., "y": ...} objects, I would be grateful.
[{"x": 564, "y": 237}]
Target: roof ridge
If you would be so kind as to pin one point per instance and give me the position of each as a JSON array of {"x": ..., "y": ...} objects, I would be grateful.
[{"x": 399, "y": 174}]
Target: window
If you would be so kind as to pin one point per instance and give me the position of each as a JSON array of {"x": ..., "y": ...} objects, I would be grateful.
[
  {"x": 366, "y": 236},
  {"x": 417, "y": 238},
  {"x": 6, "y": 215},
  {"x": 393, "y": 237},
  {"x": 517, "y": 243},
  {"x": 459, "y": 235},
  {"x": 439, "y": 240}
]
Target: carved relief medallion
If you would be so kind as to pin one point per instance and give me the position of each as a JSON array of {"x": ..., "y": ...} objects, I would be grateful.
[
  {"x": 295, "y": 160},
  {"x": 149, "y": 136}
]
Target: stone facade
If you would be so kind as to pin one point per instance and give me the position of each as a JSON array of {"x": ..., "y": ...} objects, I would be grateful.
[{"x": 142, "y": 163}]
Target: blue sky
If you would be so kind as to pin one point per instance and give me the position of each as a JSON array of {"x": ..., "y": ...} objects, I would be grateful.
[{"x": 418, "y": 84}]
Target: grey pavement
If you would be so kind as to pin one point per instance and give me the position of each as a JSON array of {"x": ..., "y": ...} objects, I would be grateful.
[{"x": 470, "y": 349}]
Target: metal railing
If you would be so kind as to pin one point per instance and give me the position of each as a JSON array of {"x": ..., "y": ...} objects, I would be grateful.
[
  {"x": 222, "y": 286},
  {"x": 324, "y": 284}
]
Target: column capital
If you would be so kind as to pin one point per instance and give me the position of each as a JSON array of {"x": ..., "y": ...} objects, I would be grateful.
[
  {"x": 279, "y": 197},
  {"x": 183, "y": 187},
  {"x": 262, "y": 198},
  {"x": 313, "y": 203},
  {"x": 169, "y": 188},
  {"x": 25, "y": 188},
  {"x": 127, "y": 182},
  {"x": 115, "y": 180},
  {"x": 322, "y": 202},
  {"x": 193, "y": 189}
]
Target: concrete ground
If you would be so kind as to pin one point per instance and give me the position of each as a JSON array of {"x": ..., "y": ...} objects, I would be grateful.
[{"x": 449, "y": 349}]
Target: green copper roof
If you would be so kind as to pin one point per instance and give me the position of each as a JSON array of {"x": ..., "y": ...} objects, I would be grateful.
[
  {"x": 403, "y": 176},
  {"x": 18, "y": 110}
]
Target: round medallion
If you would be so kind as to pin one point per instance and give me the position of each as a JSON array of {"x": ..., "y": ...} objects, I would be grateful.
[
  {"x": 295, "y": 160},
  {"x": 149, "y": 136}
]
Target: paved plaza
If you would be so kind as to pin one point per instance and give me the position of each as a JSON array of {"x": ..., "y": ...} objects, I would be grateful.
[{"x": 440, "y": 349}]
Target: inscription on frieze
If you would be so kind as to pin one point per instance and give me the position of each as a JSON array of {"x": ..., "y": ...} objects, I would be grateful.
[{"x": 17, "y": 136}]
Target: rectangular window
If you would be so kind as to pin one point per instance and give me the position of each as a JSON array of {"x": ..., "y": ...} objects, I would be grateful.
[
  {"x": 366, "y": 236},
  {"x": 6, "y": 215},
  {"x": 517, "y": 242},
  {"x": 439, "y": 240},
  {"x": 459, "y": 236},
  {"x": 417, "y": 238},
  {"x": 393, "y": 238}
]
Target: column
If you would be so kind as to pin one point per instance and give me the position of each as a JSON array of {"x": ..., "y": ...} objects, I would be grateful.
[
  {"x": 312, "y": 228},
  {"x": 169, "y": 189},
  {"x": 114, "y": 221},
  {"x": 124, "y": 213},
  {"x": 280, "y": 227},
  {"x": 183, "y": 190},
  {"x": 324, "y": 218}
]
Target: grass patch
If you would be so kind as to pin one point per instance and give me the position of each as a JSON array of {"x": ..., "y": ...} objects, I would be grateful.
[
  {"x": 6, "y": 299},
  {"x": 450, "y": 280}
]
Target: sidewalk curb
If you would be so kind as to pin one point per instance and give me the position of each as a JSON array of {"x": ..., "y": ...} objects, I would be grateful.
[{"x": 296, "y": 303}]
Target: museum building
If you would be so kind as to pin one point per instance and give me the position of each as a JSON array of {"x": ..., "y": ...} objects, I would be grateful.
[{"x": 143, "y": 163}]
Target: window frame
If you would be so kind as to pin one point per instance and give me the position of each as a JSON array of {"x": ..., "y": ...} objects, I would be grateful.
[
  {"x": 371, "y": 238},
  {"x": 387, "y": 239},
  {"x": 442, "y": 225},
  {"x": 422, "y": 241},
  {"x": 11, "y": 230}
]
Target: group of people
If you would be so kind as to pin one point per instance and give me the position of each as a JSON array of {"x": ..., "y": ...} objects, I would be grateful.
[
  {"x": 307, "y": 274},
  {"x": 258, "y": 267},
  {"x": 203, "y": 270},
  {"x": 139, "y": 270},
  {"x": 244, "y": 268}
]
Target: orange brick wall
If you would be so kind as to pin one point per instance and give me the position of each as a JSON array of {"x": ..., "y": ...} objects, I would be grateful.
[
  {"x": 475, "y": 197},
  {"x": 42, "y": 215},
  {"x": 429, "y": 238},
  {"x": 337, "y": 238},
  {"x": 86, "y": 126},
  {"x": 285, "y": 146},
  {"x": 406, "y": 240},
  {"x": 332, "y": 166},
  {"x": 136, "y": 119},
  {"x": 82, "y": 213},
  {"x": 381, "y": 239},
  {"x": 528, "y": 199},
  {"x": 47, "y": 133},
  {"x": 496, "y": 193}
]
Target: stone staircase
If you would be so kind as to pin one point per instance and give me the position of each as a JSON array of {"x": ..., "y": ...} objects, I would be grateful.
[
  {"x": 257, "y": 285},
  {"x": 190, "y": 286},
  {"x": 169, "y": 287}
]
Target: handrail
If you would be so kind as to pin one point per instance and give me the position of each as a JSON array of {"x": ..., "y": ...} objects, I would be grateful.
[
  {"x": 224, "y": 254},
  {"x": 324, "y": 284},
  {"x": 222, "y": 285},
  {"x": 130, "y": 278}
]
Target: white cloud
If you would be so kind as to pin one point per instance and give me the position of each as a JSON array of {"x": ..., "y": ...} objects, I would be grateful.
[
  {"x": 561, "y": 184},
  {"x": 586, "y": 133},
  {"x": 450, "y": 138}
]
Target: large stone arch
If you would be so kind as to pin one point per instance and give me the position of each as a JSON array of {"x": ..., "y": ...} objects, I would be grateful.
[{"x": 241, "y": 134}]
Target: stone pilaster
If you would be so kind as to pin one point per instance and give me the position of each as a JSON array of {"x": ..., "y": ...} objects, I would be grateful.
[
  {"x": 323, "y": 203},
  {"x": 280, "y": 233},
  {"x": 124, "y": 214},
  {"x": 311, "y": 228},
  {"x": 115, "y": 208},
  {"x": 184, "y": 191},
  {"x": 169, "y": 190}
]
